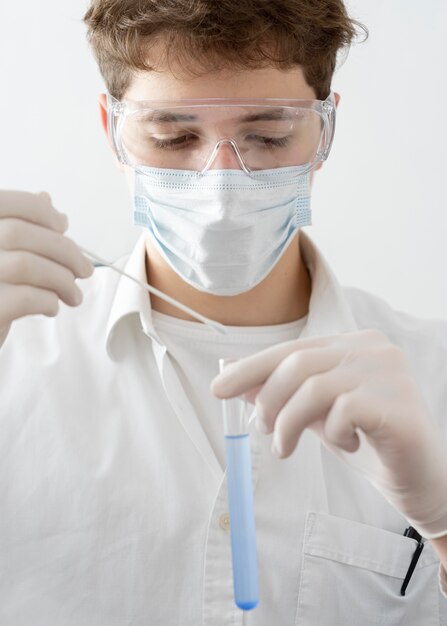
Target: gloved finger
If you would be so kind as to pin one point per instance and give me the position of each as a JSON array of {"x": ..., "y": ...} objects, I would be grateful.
[
  {"x": 21, "y": 235},
  {"x": 243, "y": 375},
  {"x": 20, "y": 300},
  {"x": 26, "y": 268},
  {"x": 288, "y": 377},
  {"x": 350, "y": 411},
  {"x": 251, "y": 395},
  {"x": 35, "y": 208},
  {"x": 310, "y": 403},
  {"x": 340, "y": 424}
]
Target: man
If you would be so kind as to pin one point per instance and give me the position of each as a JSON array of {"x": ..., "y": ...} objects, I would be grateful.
[{"x": 114, "y": 507}]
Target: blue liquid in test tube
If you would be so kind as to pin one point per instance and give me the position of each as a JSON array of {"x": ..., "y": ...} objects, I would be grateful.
[{"x": 240, "y": 502}]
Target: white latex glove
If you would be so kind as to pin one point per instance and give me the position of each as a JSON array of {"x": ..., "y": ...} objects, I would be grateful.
[
  {"x": 356, "y": 391},
  {"x": 38, "y": 265}
]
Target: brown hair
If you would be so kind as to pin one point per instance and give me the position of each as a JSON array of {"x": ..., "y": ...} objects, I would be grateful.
[{"x": 209, "y": 35}]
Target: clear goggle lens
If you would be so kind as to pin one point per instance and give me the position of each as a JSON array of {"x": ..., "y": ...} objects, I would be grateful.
[{"x": 260, "y": 137}]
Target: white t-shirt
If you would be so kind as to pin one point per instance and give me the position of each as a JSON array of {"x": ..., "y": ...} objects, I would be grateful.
[{"x": 196, "y": 350}]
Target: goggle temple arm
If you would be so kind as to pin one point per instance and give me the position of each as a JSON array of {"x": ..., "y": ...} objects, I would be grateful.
[{"x": 114, "y": 119}]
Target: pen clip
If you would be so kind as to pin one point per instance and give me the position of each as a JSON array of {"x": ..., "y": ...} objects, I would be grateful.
[{"x": 412, "y": 533}]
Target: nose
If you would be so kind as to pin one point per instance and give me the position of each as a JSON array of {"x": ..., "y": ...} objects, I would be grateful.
[{"x": 225, "y": 157}]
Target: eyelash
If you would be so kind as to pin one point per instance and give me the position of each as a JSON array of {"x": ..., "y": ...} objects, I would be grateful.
[
  {"x": 278, "y": 142},
  {"x": 180, "y": 142},
  {"x": 171, "y": 144}
]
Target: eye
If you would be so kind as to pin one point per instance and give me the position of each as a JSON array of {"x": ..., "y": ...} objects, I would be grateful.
[
  {"x": 270, "y": 142},
  {"x": 174, "y": 143}
]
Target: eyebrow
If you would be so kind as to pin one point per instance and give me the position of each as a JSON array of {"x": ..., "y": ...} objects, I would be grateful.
[
  {"x": 273, "y": 114},
  {"x": 163, "y": 117}
]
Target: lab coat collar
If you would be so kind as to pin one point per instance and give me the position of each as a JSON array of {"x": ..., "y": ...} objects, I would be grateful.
[
  {"x": 130, "y": 300},
  {"x": 329, "y": 312}
]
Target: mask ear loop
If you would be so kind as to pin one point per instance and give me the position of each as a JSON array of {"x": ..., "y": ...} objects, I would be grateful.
[{"x": 233, "y": 145}]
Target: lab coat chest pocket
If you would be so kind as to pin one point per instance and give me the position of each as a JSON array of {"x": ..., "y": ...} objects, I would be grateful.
[{"x": 352, "y": 574}]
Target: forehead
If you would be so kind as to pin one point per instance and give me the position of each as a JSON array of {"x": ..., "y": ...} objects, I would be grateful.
[{"x": 254, "y": 83}]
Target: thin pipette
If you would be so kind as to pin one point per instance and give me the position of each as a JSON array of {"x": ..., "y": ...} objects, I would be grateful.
[{"x": 211, "y": 323}]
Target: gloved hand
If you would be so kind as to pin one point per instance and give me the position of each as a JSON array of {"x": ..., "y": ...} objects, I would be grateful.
[
  {"x": 356, "y": 391},
  {"x": 38, "y": 265}
]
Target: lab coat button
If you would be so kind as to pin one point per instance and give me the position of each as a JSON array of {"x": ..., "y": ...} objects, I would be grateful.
[{"x": 224, "y": 521}]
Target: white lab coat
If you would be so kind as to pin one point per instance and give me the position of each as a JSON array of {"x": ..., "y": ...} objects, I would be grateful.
[{"x": 113, "y": 503}]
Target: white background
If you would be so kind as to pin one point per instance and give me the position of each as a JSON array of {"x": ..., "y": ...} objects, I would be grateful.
[{"x": 379, "y": 203}]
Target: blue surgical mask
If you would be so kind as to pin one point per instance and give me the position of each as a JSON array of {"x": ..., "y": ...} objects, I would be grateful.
[{"x": 223, "y": 231}]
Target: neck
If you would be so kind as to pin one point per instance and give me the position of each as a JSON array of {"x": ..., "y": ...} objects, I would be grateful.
[{"x": 283, "y": 296}]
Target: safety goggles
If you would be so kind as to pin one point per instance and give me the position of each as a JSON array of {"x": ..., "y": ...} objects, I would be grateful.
[{"x": 259, "y": 135}]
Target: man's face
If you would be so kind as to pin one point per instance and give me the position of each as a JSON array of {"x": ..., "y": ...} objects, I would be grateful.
[{"x": 251, "y": 83}]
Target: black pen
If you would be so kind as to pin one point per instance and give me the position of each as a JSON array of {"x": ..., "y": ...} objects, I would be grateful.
[{"x": 412, "y": 533}]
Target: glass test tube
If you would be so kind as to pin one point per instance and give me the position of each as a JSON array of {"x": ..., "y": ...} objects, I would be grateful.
[{"x": 240, "y": 501}]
